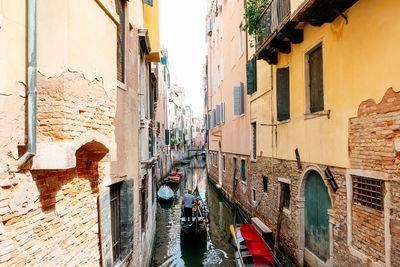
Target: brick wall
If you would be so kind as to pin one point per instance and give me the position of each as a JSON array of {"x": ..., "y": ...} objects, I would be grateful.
[
  {"x": 372, "y": 146},
  {"x": 70, "y": 105},
  {"x": 51, "y": 216}
]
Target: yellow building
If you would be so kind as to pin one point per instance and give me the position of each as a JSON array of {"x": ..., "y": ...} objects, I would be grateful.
[{"x": 317, "y": 140}]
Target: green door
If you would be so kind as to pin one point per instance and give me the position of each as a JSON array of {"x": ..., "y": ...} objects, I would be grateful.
[{"x": 317, "y": 204}]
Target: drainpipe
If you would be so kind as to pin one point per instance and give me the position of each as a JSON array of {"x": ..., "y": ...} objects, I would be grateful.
[{"x": 32, "y": 90}]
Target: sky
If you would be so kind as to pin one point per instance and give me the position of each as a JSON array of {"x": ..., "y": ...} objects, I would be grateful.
[{"x": 182, "y": 33}]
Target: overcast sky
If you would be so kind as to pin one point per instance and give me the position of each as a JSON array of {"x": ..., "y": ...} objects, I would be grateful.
[{"x": 182, "y": 26}]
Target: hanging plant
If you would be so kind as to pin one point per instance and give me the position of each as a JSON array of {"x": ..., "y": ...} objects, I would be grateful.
[{"x": 252, "y": 14}]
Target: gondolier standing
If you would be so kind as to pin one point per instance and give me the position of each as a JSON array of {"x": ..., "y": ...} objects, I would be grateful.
[{"x": 187, "y": 202}]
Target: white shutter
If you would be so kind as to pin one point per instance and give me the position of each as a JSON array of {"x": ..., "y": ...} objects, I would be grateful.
[
  {"x": 222, "y": 113},
  {"x": 218, "y": 115},
  {"x": 236, "y": 100}
]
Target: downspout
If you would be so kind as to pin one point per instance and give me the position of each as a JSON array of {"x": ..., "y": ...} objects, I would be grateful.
[{"x": 32, "y": 82}]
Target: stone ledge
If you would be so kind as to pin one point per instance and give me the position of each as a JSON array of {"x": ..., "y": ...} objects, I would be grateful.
[{"x": 61, "y": 155}]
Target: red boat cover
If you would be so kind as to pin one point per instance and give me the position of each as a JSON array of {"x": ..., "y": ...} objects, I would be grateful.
[{"x": 257, "y": 247}]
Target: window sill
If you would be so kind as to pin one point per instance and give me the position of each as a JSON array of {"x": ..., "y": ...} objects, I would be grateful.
[
  {"x": 318, "y": 114},
  {"x": 253, "y": 160},
  {"x": 122, "y": 85},
  {"x": 243, "y": 182}
]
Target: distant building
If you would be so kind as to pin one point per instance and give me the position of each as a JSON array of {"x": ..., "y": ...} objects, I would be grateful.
[{"x": 227, "y": 106}]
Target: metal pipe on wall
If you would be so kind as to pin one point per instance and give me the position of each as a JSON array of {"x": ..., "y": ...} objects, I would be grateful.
[{"x": 32, "y": 85}]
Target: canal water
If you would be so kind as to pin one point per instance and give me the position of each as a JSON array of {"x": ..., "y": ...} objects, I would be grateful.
[{"x": 173, "y": 249}]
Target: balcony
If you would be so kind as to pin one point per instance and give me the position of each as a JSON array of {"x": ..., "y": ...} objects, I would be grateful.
[
  {"x": 274, "y": 16},
  {"x": 279, "y": 26}
]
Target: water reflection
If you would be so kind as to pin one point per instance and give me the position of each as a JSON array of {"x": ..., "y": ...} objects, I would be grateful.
[{"x": 173, "y": 249}]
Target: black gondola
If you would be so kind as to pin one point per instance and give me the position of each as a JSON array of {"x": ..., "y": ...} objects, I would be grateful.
[
  {"x": 250, "y": 248},
  {"x": 200, "y": 218}
]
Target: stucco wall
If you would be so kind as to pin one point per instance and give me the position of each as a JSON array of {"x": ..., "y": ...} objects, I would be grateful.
[{"x": 355, "y": 68}]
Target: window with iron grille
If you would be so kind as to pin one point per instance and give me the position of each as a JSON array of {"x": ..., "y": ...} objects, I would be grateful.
[
  {"x": 368, "y": 192},
  {"x": 115, "y": 220},
  {"x": 120, "y": 9},
  {"x": 265, "y": 184}
]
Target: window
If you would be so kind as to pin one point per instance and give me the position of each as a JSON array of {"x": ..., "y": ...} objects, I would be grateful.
[
  {"x": 150, "y": 2},
  {"x": 285, "y": 190},
  {"x": 251, "y": 73},
  {"x": 368, "y": 192},
  {"x": 254, "y": 140},
  {"x": 315, "y": 80},
  {"x": 115, "y": 220},
  {"x": 218, "y": 116},
  {"x": 265, "y": 183},
  {"x": 243, "y": 170},
  {"x": 240, "y": 37},
  {"x": 223, "y": 162},
  {"x": 254, "y": 195},
  {"x": 222, "y": 113},
  {"x": 144, "y": 203},
  {"x": 238, "y": 99},
  {"x": 282, "y": 94},
  {"x": 120, "y": 9}
]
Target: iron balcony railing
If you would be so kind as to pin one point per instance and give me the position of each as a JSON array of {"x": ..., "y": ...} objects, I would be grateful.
[{"x": 273, "y": 18}]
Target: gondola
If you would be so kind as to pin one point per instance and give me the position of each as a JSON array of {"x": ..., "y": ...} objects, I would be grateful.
[
  {"x": 200, "y": 219},
  {"x": 250, "y": 248},
  {"x": 165, "y": 193},
  {"x": 172, "y": 180}
]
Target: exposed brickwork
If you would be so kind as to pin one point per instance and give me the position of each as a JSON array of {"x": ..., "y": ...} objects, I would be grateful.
[
  {"x": 51, "y": 215},
  {"x": 70, "y": 105},
  {"x": 372, "y": 138}
]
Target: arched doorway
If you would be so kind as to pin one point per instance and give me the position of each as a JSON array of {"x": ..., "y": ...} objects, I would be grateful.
[{"x": 317, "y": 203}]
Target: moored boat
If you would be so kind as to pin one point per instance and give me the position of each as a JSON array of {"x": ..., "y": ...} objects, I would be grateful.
[
  {"x": 250, "y": 248},
  {"x": 165, "y": 193},
  {"x": 185, "y": 161},
  {"x": 173, "y": 180},
  {"x": 200, "y": 218}
]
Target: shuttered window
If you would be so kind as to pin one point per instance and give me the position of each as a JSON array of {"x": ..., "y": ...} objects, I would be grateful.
[
  {"x": 241, "y": 98},
  {"x": 316, "y": 80},
  {"x": 238, "y": 99},
  {"x": 167, "y": 137},
  {"x": 222, "y": 113},
  {"x": 243, "y": 170},
  {"x": 150, "y": 2},
  {"x": 218, "y": 110},
  {"x": 120, "y": 9},
  {"x": 254, "y": 140},
  {"x": 282, "y": 94},
  {"x": 251, "y": 72}
]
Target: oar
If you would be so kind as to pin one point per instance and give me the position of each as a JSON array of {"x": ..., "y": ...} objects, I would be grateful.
[
  {"x": 237, "y": 245},
  {"x": 205, "y": 225}
]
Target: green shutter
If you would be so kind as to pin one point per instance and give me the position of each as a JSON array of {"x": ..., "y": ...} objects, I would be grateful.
[
  {"x": 166, "y": 137},
  {"x": 164, "y": 60},
  {"x": 243, "y": 170},
  {"x": 251, "y": 72},
  {"x": 282, "y": 94},
  {"x": 316, "y": 80}
]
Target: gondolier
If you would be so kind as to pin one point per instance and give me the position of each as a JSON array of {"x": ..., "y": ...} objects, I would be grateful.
[{"x": 187, "y": 202}]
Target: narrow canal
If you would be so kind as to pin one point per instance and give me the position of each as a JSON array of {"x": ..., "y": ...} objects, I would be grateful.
[{"x": 172, "y": 249}]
